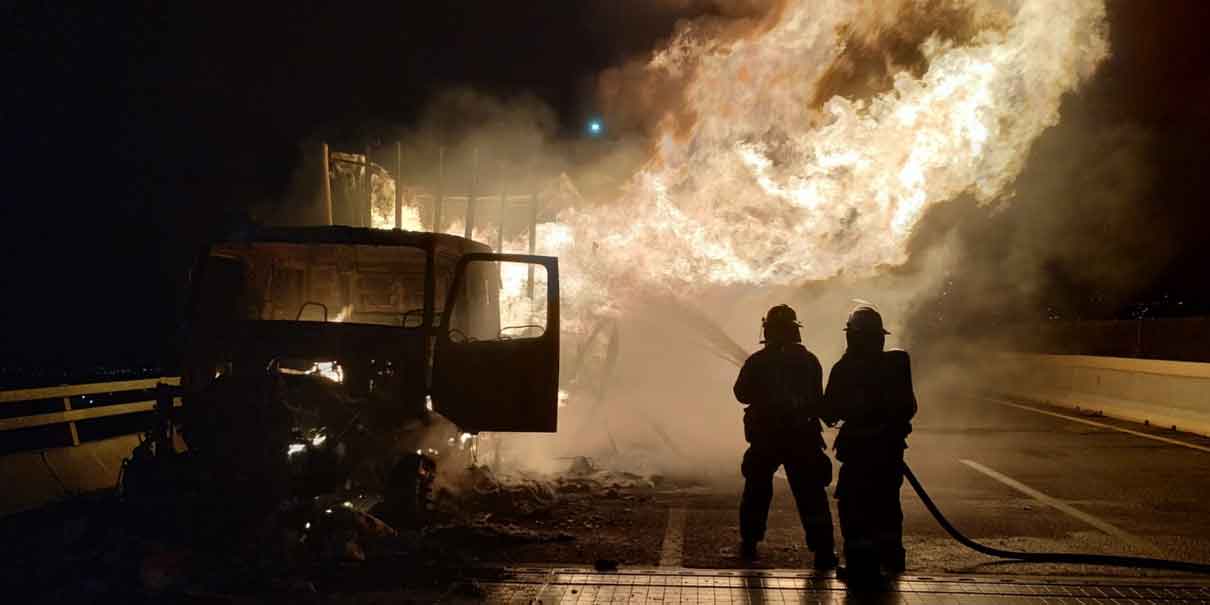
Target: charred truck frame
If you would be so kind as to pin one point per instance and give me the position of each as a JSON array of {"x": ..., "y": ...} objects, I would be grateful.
[{"x": 315, "y": 357}]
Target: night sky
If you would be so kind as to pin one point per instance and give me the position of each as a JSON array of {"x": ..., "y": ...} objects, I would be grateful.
[{"x": 140, "y": 129}]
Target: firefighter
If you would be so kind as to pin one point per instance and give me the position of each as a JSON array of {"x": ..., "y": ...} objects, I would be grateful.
[
  {"x": 870, "y": 391},
  {"x": 781, "y": 387}
]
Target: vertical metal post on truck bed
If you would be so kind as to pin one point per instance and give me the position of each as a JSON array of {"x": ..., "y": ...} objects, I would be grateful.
[
  {"x": 327, "y": 185},
  {"x": 398, "y": 184},
  {"x": 470, "y": 198},
  {"x": 503, "y": 201},
  {"x": 533, "y": 239},
  {"x": 439, "y": 201},
  {"x": 367, "y": 213}
]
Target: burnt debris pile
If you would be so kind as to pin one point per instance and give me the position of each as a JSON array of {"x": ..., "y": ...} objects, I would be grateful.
[{"x": 234, "y": 543}]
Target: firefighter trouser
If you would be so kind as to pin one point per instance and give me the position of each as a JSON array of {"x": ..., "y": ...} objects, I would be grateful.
[
  {"x": 871, "y": 519},
  {"x": 809, "y": 472}
]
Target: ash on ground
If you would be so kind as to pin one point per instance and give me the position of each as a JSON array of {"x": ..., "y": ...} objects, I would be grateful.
[{"x": 97, "y": 548}]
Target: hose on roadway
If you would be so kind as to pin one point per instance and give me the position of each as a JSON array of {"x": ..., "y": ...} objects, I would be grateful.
[
  {"x": 727, "y": 349},
  {"x": 1048, "y": 557}
]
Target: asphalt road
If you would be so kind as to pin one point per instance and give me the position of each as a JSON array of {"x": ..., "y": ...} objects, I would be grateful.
[
  {"x": 1012, "y": 478},
  {"x": 1007, "y": 476}
]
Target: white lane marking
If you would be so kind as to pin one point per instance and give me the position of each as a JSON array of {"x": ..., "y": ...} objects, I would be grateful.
[
  {"x": 671, "y": 553},
  {"x": 541, "y": 595},
  {"x": 104, "y": 469},
  {"x": 1100, "y": 424},
  {"x": 1104, "y": 526}
]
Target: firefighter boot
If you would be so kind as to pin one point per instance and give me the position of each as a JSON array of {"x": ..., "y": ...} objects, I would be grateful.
[{"x": 894, "y": 560}]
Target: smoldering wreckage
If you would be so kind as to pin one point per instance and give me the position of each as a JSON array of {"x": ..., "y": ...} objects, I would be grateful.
[
  {"x": 299, "y": 440},
  {"x": 344, "y": 393}
]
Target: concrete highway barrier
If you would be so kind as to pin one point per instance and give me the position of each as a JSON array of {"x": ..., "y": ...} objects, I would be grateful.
[
  {"x": 1168, "y": 394},
  {"x": 34, "y": 478},
  {"x": 48, "y": 471}
]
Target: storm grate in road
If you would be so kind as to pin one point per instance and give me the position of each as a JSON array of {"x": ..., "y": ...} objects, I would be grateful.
[{"x": 564, "y": 585}]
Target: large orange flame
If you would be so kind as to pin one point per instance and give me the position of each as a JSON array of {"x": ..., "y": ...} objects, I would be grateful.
[
  {"x": 768, "y": 171},
  {"x": 770, "y": 181}
]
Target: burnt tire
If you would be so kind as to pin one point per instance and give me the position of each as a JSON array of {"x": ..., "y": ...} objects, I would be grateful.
[{"x": 408, "y": 497}]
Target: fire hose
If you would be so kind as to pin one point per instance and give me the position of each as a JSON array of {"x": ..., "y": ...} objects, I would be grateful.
[
  {"x": 726, "y": 349},
  {"x": 722, "y": 346},
  {"x": 1047, "y": 557}
]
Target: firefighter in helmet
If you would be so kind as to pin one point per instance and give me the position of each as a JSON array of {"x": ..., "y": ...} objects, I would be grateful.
[
  {"x": 781, "y": 388},
  {"x": 870, "y": 391}
]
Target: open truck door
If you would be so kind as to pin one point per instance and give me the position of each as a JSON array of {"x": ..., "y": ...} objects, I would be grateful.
[{"x": 496, "y": 358}]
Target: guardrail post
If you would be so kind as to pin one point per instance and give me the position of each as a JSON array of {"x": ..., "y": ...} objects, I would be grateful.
[
  {"x": 163, "y": 419},
  {"x": 71, "y": 426}
]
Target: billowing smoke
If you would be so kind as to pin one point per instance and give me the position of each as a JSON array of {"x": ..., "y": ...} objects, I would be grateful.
[
  {"x": 795, "y": 150},
  {"x": 808, "y": 152}
]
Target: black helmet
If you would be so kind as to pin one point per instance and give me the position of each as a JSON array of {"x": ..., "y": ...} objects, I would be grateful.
[
  {"x": 782, "y": 315},
  {"x": 780, "y": 325},
  {"x": 864, "y": 318}
]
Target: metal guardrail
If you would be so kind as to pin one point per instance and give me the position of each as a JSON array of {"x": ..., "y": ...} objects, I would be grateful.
[{"x": 70, "y": 416}]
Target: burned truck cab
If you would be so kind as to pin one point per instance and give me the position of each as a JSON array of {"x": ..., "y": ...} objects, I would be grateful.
[{"x": 339, "y": 343}]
